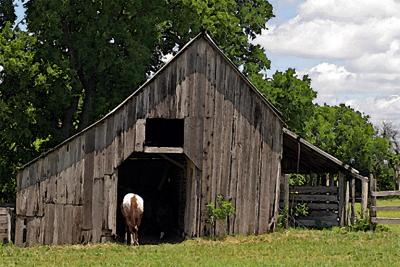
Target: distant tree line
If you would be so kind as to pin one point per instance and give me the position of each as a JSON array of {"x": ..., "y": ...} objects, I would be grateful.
[{"x": 75, "y": 60}]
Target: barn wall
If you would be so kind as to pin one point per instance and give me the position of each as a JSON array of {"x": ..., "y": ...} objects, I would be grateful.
[
  {"x": 6, "y": 224},
  {"x": 232, "y": 139}
]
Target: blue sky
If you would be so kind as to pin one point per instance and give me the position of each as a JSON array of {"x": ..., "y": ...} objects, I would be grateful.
[{"x": 19, "y": 10}]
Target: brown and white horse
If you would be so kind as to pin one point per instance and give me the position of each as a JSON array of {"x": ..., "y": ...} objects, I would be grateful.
[{"x": 132, "y": 208}]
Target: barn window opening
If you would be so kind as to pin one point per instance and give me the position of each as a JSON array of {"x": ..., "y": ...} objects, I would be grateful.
[
  {"x": 160, "y": 180},
  {"x": 164, "y": 132}
]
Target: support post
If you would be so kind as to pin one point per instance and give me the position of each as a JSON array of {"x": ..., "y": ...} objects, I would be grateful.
[
  {"x": 347, "y": 204},
  {"x": 364, "y": 199},
  {"x": 277, "y": 197},
  {"x": 372, "y": 212},
  {"x": 286, "y": 199},
  {"x": 327, "y": 180},
  {"x": 353, "y": 199},
  {"x": 342, "y": 199}
]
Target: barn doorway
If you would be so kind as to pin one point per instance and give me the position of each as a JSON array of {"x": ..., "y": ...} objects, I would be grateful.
[{"x": 160, "y": 180}]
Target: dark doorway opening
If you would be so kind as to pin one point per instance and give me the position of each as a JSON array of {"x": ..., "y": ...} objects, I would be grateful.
[
  {"x": 164, "y": 132},
  {"x": 160, "y": 180}
]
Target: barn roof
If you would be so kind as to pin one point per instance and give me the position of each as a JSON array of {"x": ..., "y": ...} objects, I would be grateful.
[
  {"x": 203, "y": 35},
  {"x": 300, "y": 156}
]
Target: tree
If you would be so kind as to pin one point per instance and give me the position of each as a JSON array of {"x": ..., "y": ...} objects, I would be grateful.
[
  {"x": 26, "y": 95},
  {"x": 232, "y": 23},
  {"x": 392, "y": 134},
  {"x": 291, "y": 95},
  {"x": 109, "y": 48},
  {"x": 389, "y": 132},
  {"x": 7, "y": 12},
  {"x": 351, "y": 137}
]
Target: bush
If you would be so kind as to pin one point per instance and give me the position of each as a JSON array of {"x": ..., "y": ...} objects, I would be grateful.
[{"x": 221, "y": 210}]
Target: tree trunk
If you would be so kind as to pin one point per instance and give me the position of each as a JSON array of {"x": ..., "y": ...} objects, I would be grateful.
[
  {"x": 67, "y": 122},
  {"x": 87, "y": 109}
]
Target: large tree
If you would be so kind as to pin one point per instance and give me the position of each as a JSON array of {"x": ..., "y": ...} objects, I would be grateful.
[
  {"x": 109, "y": 48},
  {"x": 350, "y": 136}
]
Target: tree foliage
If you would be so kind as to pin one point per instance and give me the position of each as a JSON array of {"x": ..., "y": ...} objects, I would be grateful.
[
  {"x": 25, "y": 115},
  {"x": 351, "y": 137},
  {"x": 291, "y": 95},
  {"x": 108, "y": 48},
  {"x": 7, "y": 12}
]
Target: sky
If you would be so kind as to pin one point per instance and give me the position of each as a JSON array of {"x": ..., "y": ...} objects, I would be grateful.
[{"x": 349, "y": 48}]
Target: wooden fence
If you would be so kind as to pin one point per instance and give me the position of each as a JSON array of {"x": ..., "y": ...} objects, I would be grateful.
[
  {"x": 6, "y": 224},
  {"x": 374, "y": 208},
  {"x": 330, "y": 204}
]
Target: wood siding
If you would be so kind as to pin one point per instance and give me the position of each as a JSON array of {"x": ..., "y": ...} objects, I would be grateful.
[
  {"x": 6, "y": 224},
  {"x": 232, "y": 139}
]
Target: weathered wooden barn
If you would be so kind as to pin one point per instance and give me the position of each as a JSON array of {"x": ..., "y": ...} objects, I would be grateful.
[{"x": 196, "y": 129}]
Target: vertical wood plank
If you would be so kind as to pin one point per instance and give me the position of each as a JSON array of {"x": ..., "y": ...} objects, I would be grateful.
[
  {"x": 286, "y": 199},
  {"x": 353, "y": 199},
  {"x": 347, "y": 204},
  {"x": 372, "y": 212},
  {"x": 49, "y": 224},
  {"x": 342, "y": 199},
  {"x": 140, "y": 135},
  {"x": 97, "y": 208},
  {"x": 364, "y": 199}
]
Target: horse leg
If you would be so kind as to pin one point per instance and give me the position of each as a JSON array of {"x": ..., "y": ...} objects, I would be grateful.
[
  {"x": 132, "y": 238},
  {"x": 137, "y": 238},
  {"x": 126, "y": 235}
]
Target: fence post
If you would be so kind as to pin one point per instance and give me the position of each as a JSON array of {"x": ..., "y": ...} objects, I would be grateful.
[
  {"x": 364, "y": 198},
  {"x": 372, "y": 212},
  {"x": 353, "y": 199}
]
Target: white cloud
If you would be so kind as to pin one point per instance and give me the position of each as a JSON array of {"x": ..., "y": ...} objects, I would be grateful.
[
  {"x": 329, "y": 78},
  {"x": 329, "y": 38},
  {"x": 363, "y": 35},
  {"x": 353, "y": 10},
  {"x": 375, "y": 95},
  {"x": 385, "y": 62},
  {"x": 380, "y": 109}
]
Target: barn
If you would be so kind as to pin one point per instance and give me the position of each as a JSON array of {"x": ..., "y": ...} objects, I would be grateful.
[{"x": 196, "y": 129}]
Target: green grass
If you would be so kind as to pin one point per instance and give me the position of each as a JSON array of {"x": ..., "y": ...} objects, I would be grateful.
[
  {"x": 295, "y": 247},
  {"x": 289, "y": 248}
]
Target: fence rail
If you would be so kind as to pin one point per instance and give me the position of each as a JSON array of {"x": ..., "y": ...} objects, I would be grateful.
[
  {"x": 385, "y": 193},
  {"x": 374, "y": 208}
]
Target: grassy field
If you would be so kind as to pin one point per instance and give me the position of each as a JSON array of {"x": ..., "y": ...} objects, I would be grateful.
[{"x": 295, "y": 247}]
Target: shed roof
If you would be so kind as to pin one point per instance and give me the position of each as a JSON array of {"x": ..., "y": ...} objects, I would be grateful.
[{"x": 300, "y": 156}]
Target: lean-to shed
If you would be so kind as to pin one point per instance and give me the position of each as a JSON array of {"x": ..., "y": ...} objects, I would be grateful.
[{"x": 196, "y": 129}]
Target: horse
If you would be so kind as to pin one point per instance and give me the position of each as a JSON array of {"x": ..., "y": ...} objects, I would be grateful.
[{"x": 132, "y": 208}]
